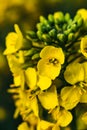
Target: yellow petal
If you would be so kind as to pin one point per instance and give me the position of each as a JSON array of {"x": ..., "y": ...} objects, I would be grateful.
[
  {"x": 64, "y": 119},
  {"x": 51, "y": 51},
  {"x": 14, "y": 65},
  {"x": 70, "y": 97},
  {"x": 34, "y": 106},
  {"x": 49, "y": 99},
  {"x": 11, "y": 39},
  {"x": 45, "y": 125},
  {"x": 56, "y": 127},
  {"x": 48, "y": 69},
  {"x": 31, "y": 77},
  {"x": 43, "y": 82},
  {"x": 23, "y": 126},
  {"x": 83, "y": 13},
  {"x": 74, "y": 73},
  {"x": 17, "y": 80}
]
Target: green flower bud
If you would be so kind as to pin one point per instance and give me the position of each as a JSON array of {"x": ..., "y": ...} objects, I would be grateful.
[
  {"x": 35, "y": 56},
  {"x": 61, "y": 37},
  {"x": 79, "y": 22},
  {"x": 43, "y": 20},
  {"x": 50, "y": 18},
  {"x": 46, "y": 38},
  {"x": 71, "y": 37},
  {"x": 53, "y": 33},
  {"x": 29, "y": 52},
  {"x": 31, "y": 35},
  {"x": 74, "y": 27},
  {"x": 66, "y": 32},
  {"x": 67, "y": 17},
  {"x": 39, "y": 34}
]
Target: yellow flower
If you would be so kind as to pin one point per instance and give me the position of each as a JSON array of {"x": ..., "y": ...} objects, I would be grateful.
[
  {"x": 12, "y": 40},
  {"x": 14, "y": 65},
  {"x": 34, "y": 80},
  {"x": 50, "y": 64},
  {"x": 54, "y": 52},
  {"x": 74, "y": 73},
  {"x": 83, "y": 13},
  {"x": 70, "y": 97},
  {"x": 83, "y": 46}
]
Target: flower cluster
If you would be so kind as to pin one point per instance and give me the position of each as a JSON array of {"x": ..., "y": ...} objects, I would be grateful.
[{"x": 49, "y": 68}]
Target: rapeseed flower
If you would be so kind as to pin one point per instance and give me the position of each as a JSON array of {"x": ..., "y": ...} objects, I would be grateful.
[
  {"x": 70, "y": 97},
  {"x": 12, "y": 40},
  {"x": 83, "y": 13},
  {"x": 50, "y": 63},
  {"x": 34, "y": 80},
  {"x": 74, "y": 73}
]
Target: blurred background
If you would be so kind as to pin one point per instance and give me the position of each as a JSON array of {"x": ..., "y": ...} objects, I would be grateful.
[{"x": 26, "y": 14}]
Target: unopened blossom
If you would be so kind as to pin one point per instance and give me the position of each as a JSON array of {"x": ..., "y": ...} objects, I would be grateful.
[
  {"x": 50, "y": 63},
  {"x": 83, "y": 46}
]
